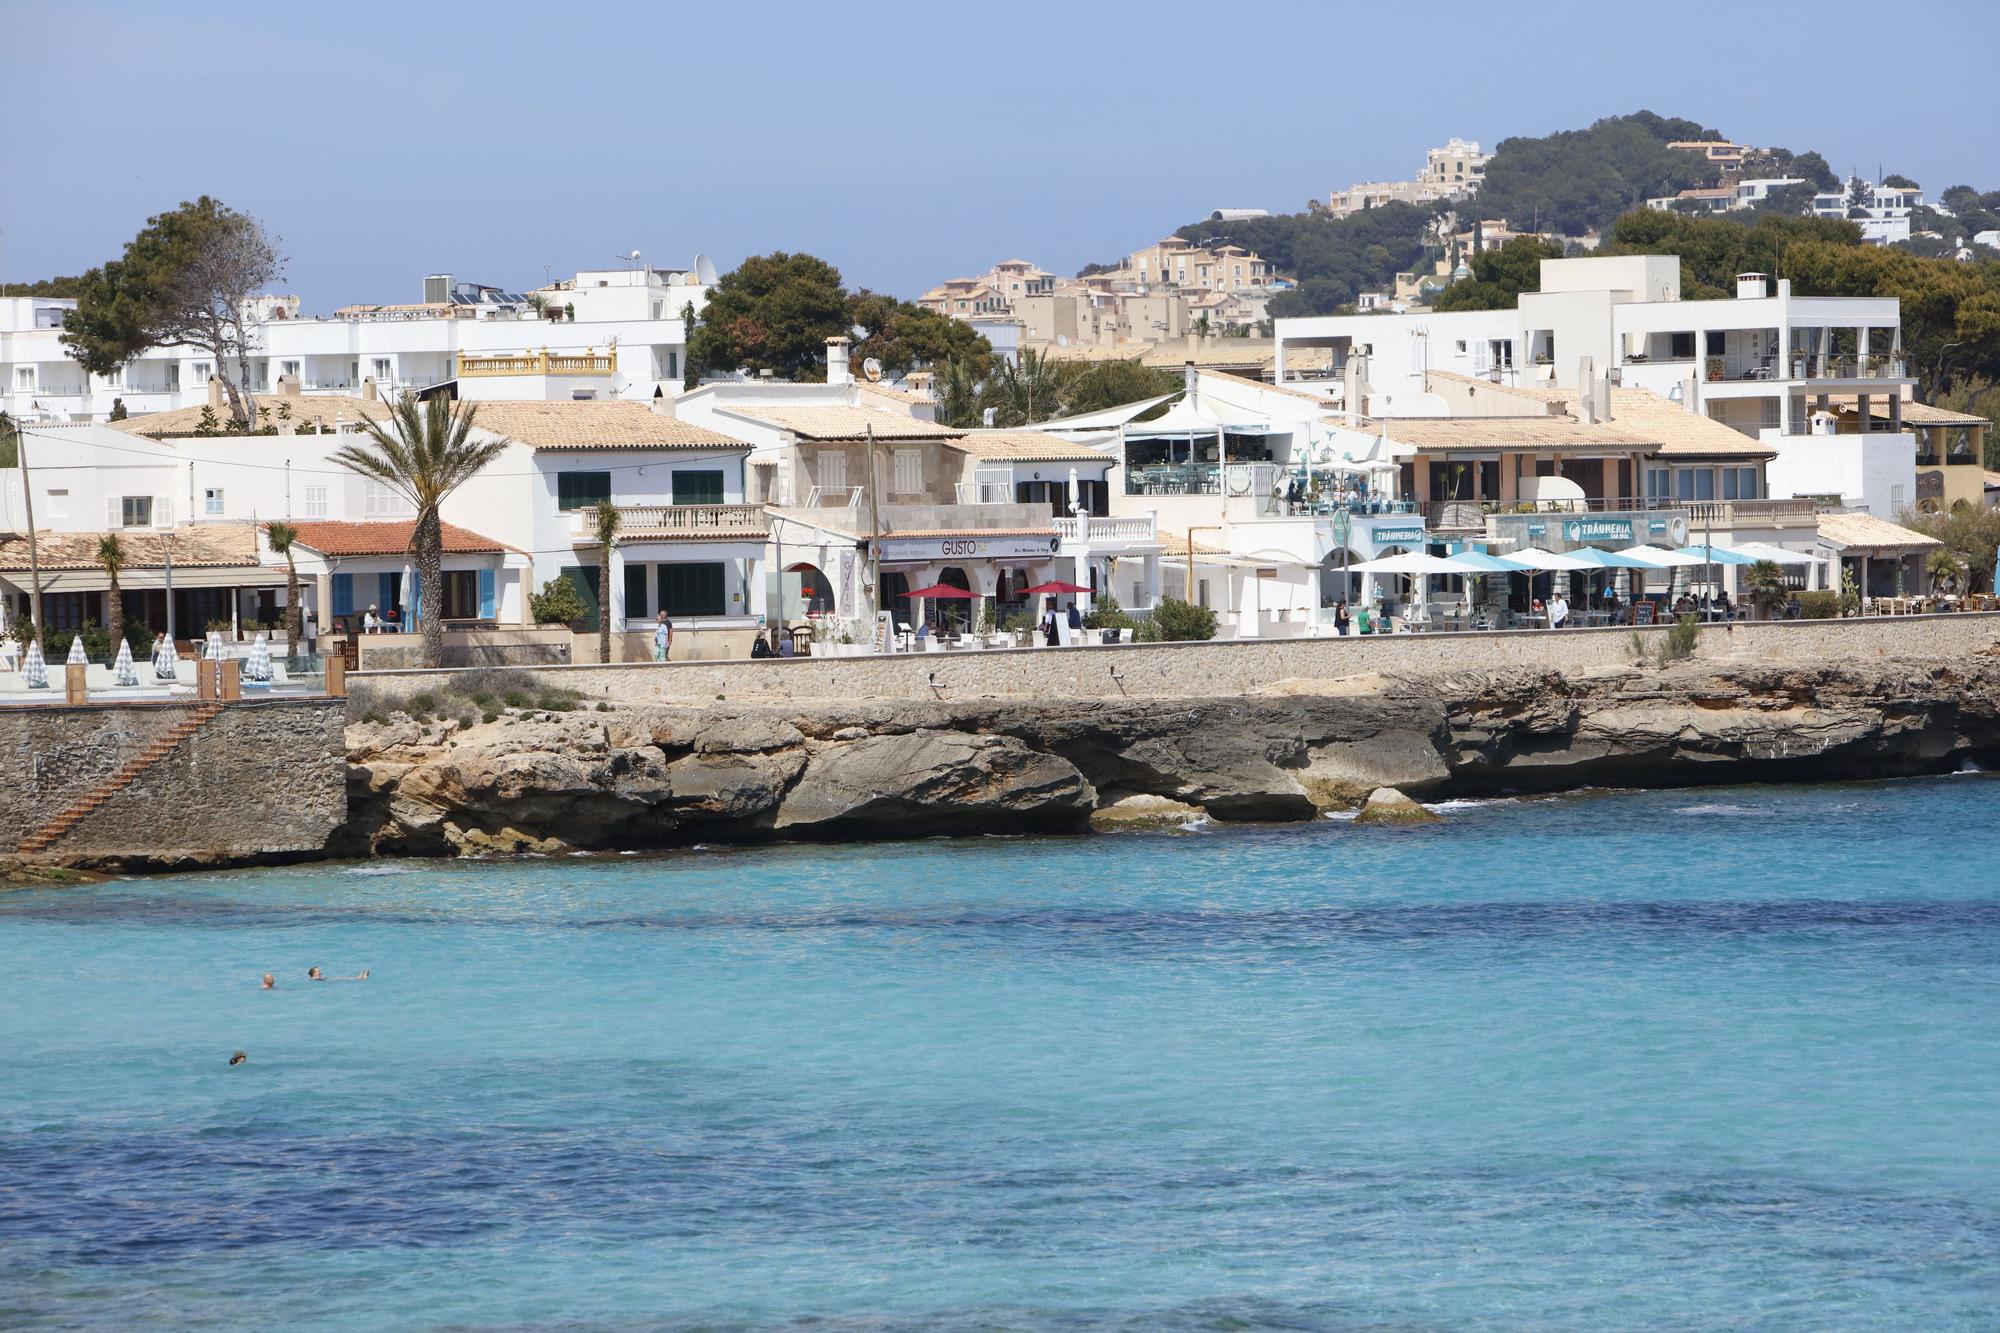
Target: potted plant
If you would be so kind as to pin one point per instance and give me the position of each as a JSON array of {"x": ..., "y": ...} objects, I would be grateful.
[{"x": 1714, "y": 368}]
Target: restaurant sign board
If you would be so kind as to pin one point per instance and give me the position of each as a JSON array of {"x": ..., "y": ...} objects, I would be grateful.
[
  {"x": 1598, "y": 530},
  {"x": 971, "y": 546},
  {"x": 1398, "y": 534}
]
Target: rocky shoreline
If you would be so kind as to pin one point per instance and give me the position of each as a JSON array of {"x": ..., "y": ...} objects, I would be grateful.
[{"x": 631, "y": 776}]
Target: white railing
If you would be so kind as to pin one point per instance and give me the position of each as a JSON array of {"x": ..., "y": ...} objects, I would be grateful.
[
  {"x": 1144, "y": 529},
  {"x": 833, "y": 497},
  {"x": 750, "y": 520},
  {"x": 985, "y": 493}
]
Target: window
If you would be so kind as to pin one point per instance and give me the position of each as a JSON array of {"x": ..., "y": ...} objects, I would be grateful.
[
  {"x": 909, "y": 472},
  {"x": 1680, "y": 346},
  {"x": 315, "y": 502},
  {"x": 1659, "y": 483},
  {"x": 1201, "y": 593},
  {"x": 691, "y": 590},
  {"x": 135, "y": 511},
  {"x": 698, "y": 487},
  {"x": 830, "y": 466},
  {"x": 211, "y": 500},
  {"x": 382, "y": 368},
  {"x": 204, "y": 371},
  {"x": 581, "y": 490},
  {"x": 636, "y": 606},
  {"x": 24, "y": 377},
  {"x": 58, "y": 502},
  {"x": 377, "y": 500},
  {"x": 1769, "y": 419},
  {"x": 288, "y": 368},
  {"x": 461, "y": 594}
]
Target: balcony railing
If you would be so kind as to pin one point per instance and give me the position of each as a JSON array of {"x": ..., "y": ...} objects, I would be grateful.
[
  {"x": 633, "y": 520},
  {"x": 985, "y": 492},
  {"x": 1087, "y": 529},
  {"x": 833, "y": 497},
  {"x": 1444, "y": 515},
  {"x": 543, "y": 362},
  {"x": 1762, "y": 366}
]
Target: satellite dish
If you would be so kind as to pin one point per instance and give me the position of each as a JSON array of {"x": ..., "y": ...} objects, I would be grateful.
[
  {"x": 704, "y": 270},
  {"x": 872, "y": 369},
  {"x": 634, "y": 256}
]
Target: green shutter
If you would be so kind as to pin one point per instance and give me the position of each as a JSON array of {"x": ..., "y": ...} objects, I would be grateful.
[
  {"x": 585, "y": 579},
  {"x": 635, "y": 594},
  {"x": 581, "y": 490},
  {"x": 691, "y": 590},
  {"x": 698, "y": 487}
]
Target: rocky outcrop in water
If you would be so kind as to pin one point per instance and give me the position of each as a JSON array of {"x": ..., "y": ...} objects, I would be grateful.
[{"x": 649, "y": 776}]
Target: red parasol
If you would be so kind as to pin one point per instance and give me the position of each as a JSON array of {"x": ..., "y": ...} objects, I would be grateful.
[
  {"x": 939, "y": 590},
  {"x": 1054, "y": 586}
]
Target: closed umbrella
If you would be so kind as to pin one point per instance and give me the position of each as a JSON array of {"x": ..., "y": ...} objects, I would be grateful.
[
  {"x": 123, "y": 669},
  {"x": 166, "y": 662},
  {"x": 76, "y": 653},
  {"x": 259, "y": 665},
  {"x": 213, "y": 649},
  {"x": 35, "y": 667}
]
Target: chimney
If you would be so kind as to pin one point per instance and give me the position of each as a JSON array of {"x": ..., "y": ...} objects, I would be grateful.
[
  {"x": 1586, "y": 391},
  {"x": 368, "y": 393},
  {"x": 288, "y": 386},
  {"x": 215, "y": 399},
  {"x": 1750, "y": 286},
  {"x": 1187, "y": 377},
  {"x": 836, "y": 361},
  {"x": 1604, "y": 397},
  {"x": 919, "y": 382}
]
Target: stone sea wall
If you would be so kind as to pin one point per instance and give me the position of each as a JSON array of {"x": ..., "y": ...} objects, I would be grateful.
[
  {"x": 635, "y": 775},
  {"x": 1192, "y": 670},
  {"x": 262, "y": 781}
]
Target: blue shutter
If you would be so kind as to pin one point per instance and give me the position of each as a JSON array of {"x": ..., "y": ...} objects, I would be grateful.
[
  {"x": 486, "y": 611},
  {"x": 343, "y": 595}
]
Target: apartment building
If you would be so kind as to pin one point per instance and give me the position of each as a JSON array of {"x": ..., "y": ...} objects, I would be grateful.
[
  {"x": 1770, "y": 365},
  {"x": 1881, "y": 211},
  {"x": 1452, "y": 171},
  {"x": 628, "y": 323}
]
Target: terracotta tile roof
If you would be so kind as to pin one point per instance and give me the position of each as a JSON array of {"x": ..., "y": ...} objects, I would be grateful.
[
  {"x": 1516, "y": 433},
  {"x": 608, "y": 424},
  {"x": 1859, "y": 531},
  {"x": 206, "y": 546},
  {"x": 320, "y": 409},
  {"x": 1026, "y": 446},
  {"x": 390, "y": 537},
  {"x": 1675, "y": 431},
  {"x": 1914, "y": 413},
  {"x": 836, "y": 422}
]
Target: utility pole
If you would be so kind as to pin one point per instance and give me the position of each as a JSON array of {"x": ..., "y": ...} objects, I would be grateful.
[
  {"x": 21, "y": 434},
  {"x": 874, "y": 522}
]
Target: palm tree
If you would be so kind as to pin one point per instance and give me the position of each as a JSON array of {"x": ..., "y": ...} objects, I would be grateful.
[
  {"x": 424, "y": 454},
  {"x": 1765, "y": 582},
  {"x": 281, "y": 537},
  {"x": 1944, "y": 568},
  {"x": 1032, "y": 390},
  {"x": 605, "y": 524},
  {"x": 111, "y": 554}
]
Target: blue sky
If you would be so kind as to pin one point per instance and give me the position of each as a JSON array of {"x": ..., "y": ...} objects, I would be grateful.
[{"x": 904, "y": 143}]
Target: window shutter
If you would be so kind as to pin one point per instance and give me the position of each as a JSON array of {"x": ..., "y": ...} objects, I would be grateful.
[
  {"x": 163, "y": 511},
  {"x": 486, "y": 594},
  {"x": 114, "y": 511},
  {"x": 343, "y": 595}
]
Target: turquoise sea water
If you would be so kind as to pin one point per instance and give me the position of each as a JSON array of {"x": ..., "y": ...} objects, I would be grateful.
[{"x": 1722, "y": 1059}]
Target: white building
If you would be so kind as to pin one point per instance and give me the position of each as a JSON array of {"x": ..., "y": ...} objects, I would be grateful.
[
  {"x": 627, "y": 329},
  {"x": 1765, "y": 363},
  {"x": 1453, "y": 171},
  {"x": 1883, "y": 213}
]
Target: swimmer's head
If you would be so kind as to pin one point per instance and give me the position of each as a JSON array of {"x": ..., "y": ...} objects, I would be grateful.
[
  {"x": 312, "y": 974},
  {"x": 238, "y": 1058},
  {"x": 270, "y": 982}
]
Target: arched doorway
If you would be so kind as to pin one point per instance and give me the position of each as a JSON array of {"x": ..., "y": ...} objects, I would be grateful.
[
  {"x": 807, "y": 588},
  {"x": 895, "y": 598},
  {"x": 951, "y": 613},
  {"x": 1335, "y": 585}
]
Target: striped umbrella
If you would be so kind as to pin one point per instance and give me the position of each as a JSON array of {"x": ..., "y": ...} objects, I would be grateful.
[
  {"x": 213, "y": 650},
  {"x": 76, "y": 653},
  {"x": 36, "y": 668},
  {"x": 166, "y": 662},
  {"x": 126, "y": 673},
  {"x": 259, "y": 665}
]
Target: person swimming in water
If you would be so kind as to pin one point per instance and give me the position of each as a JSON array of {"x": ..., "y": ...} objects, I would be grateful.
[
  {"x": 237, "y": 1059},
  {"x": 314, "y": 974},
  {"x": 270, "y": 982}
]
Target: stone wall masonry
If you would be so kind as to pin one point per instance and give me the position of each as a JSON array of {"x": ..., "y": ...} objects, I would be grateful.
[
  {"x": 1177, "y": 670},
  {"x": 260, "y": 781}
]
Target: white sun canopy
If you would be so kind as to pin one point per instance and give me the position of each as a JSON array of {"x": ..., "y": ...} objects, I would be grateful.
[{"x": 1534, "y": 557}]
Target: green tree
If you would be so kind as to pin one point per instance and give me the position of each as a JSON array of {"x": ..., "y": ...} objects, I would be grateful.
[
  {"x": 1034, "y": 388},
  {"x": 1814, "y": 169},
  {"x": 281, "y": 537},
  {"x": 604, "y": 527},
  {"x": 1500, "y": 276},
  {"x": 425, "y": 452},
  {"x": 1896, "y": 181},
  {"x": 1767, "y": 586},
  {"x": 1787, "y": 200},
  {"x": 1578, "y": 181},
  {"x": 10, "y": 443},
  {"x": 59, "y": 287},
  {"x": 560, "y": 602},
  {"x": 772, "y": 312},
  {"x": 111, "y": 555},
  {"x": 1183, "y": 622},
  {"x": 184, "y": 281},
  {"x": 1098, "y": 385},
  {"x": 903, "y": 336}
]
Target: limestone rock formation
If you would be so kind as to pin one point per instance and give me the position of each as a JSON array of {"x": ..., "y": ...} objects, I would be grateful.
[{"x": 1386, "y": 805}]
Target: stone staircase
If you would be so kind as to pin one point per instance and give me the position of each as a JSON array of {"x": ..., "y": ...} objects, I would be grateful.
[{"x": 41, "y": 839}]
